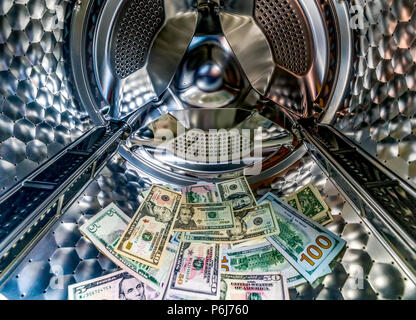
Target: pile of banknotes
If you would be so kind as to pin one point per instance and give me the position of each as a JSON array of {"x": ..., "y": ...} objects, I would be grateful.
[{"x": 210, "y": 242}]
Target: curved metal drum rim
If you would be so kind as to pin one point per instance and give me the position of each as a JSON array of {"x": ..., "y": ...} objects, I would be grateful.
[
  {"x": 79, "y": 23},
  {"x": 143, "y": 160},
  {"x": 345, "y": 52}
]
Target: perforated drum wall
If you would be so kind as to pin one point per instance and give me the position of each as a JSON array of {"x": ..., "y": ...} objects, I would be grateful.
[
  {"x": 138, "y": 24},
  {"x": 286, "y": 29}
]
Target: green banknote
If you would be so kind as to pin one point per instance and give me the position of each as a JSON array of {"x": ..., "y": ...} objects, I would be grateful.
[
  {"x": 309, "y": 201},
  {"x": 292, "y": 201},
  {"x": 254, "y": 286},
  {"x": 205, "y": 217},
  {"x": 259, "y": 258},
  {"x": 104, "y": 231},
  {"x": 200, "y": 193},
  {"x": 324, "y": 218},
  {"x": 312, "y": 205},
  {"x": 119, "y": 285},
  {"x": 249, "y": 243},
  {"x": 237, "y": 191},
  {"x": 255, "y": 222},
  {"x": 195, "y": 272},
  {"x": 306, "y": 245}
]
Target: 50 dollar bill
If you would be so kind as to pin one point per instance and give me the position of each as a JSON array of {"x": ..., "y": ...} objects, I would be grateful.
[
  {"x": 196, "y": 272},
  {"x": 259, "y": 258},
  {"x": 255, "y": 286}
]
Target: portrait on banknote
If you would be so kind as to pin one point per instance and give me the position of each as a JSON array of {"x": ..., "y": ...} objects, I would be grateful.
[
  {"x": 161, "y": 213},
  {"x": 240, "y": 200},
  {"x": 129, "y": 288},
  {"x": 185, "y": 220},
  {"x": 239, "y": 230}
]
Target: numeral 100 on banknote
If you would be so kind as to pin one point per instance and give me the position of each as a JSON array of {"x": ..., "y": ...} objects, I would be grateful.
[{"x": 313, "y": 252}]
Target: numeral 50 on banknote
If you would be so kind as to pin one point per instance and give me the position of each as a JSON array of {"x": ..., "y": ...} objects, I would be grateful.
[
  {"x": 228, "y": 309},
  {"x": 315, "y": 251}
]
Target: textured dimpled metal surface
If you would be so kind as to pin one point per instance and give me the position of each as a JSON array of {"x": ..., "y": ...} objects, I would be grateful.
[
  {"x": 364, "y": 270},
  {"x": 64, "y": 256},
  {"x": 38, "y": 116},
  {"x": 380, "y": 114}
]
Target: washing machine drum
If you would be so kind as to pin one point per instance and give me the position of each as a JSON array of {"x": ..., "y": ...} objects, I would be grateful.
[{"x": 229, "y": 76}]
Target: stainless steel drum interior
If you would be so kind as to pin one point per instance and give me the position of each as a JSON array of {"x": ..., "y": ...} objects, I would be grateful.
[{"x": 85, "y": 84}]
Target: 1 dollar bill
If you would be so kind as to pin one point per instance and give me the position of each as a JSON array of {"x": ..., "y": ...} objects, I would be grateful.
[{"x": 237, "y": 191}]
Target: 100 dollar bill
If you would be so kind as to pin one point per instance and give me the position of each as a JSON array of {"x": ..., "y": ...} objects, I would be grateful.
[
  {"x": 119, "y": 285},
  {"x": 205, "y": 217},
  {"x": 260, "y": 258},
  {"x": 308, "y": 246},
  {"x": 256, "y": 286},
  {"x": 148, "y": 233},
  {"x": 104, "y": 231},
  {"x": 196, "y": 272},
  {"x": 252, "y": 223}
]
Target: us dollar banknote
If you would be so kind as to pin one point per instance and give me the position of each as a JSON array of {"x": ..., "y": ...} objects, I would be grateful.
[
  {"x": 237, "y": 191},
  {"x": 104, "y": 231},
  {"x": 200, "y": 193},
  {"x": 324, "y": 219},
  {"x": 307, "y": 246},
  {"x": 255, "y": 222},
  {"x": 309, "y": 201},
  {"x": 205, "y": 217},
  {"x": 293, "y": 202},
  {"x": 195, "y": 272},
  {"x": 255, "y": 286},
  {"x": 119, "y": 285},
  {"x": 259, "y": 258},
  {"x": 149, "y": 231},
  {"x": 249, "y": 243}
]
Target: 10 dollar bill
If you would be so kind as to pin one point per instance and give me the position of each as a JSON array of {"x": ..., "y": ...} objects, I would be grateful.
[
  {"x": 148, "y": 233},
  {"x": 104, "y": 231}
]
